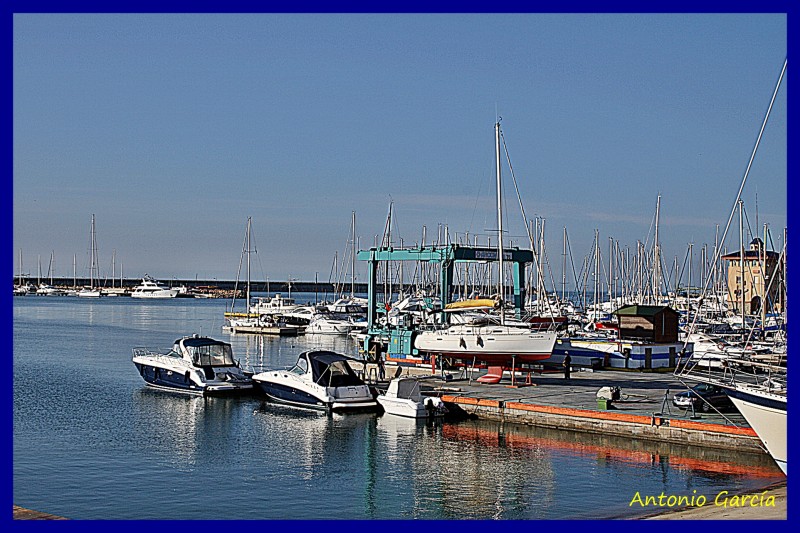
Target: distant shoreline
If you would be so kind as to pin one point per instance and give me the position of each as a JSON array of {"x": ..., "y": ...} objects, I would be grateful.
[{"x": 257, "y": 286}]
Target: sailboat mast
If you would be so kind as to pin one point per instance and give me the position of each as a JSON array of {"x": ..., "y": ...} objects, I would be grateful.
[
  {"x": 541, "y": 290},
  {"x": 564, "y": 268},
  {"x": 715, "y": 271},
  {"x": 247, "y": 241},
  {"x": 596, "y": 274},
  {"x": 353, "y": 272},
  {"x": 499, "y": 219},
  {"x": 764, "y": 292},
  {"x": 657, "y": 257},
  {"x": 610, "y": 268},
  {"x": 92, "y": 256},
  {"x": 689, "y": 284},
  {"x": 741, "y": 267}
]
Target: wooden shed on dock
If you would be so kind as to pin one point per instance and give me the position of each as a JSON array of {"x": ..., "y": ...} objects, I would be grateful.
[{"x": 652, "y": 323}]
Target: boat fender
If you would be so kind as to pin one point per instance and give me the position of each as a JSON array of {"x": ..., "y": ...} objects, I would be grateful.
[
  {"x": 187, "y": 377},
  {"x": 462, "y": 342}
]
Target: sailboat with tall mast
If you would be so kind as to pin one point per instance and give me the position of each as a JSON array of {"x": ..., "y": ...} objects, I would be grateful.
[
  {"x": 758, "y": 390},
  {"x": 91, "y": 291},
  {"x": 22, "y": 288},
  {"x": 487, "y": 338},
  {"x": 46, "y": 289},
  {"x": 251, "y": 321}
]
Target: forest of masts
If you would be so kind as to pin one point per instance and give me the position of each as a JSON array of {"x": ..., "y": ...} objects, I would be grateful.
[{"x": 608, "y": 272}]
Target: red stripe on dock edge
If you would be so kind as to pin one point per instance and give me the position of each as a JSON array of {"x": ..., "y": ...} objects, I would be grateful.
[
  {"x": 582, "y": 413},
  {"x": 717, "y": 428},
  {"x": 601, "y": 415},
  {"x": 465, "y": 400}
]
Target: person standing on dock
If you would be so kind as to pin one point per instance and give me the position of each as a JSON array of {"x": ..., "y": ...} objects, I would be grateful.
[
  {"x": 567, "y": 362},
  {"x": 381, "y": 368}
]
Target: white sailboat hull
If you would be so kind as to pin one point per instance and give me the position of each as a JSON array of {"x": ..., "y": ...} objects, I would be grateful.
[
  {"x": 491, "y": 344},
  {"x": 766, "y": 414},
  {"x": 89, "y": 293}
]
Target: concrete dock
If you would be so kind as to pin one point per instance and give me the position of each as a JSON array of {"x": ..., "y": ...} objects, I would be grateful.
[{"x": 547, "y": 399}]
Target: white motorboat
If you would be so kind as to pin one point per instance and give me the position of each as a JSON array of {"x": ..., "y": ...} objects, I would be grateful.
[
  {"x": 88, "y": 292},
  {"x": 48, "y": 290},
  {"x": 330, "y": 324},
  {"x": 150, "y": 288},
  {"x": 404, "y": 398},
  {"x": 299, "y": 316},
  {"x": 350, "y": 305},
  {"x": 22, "y": 290},
  {"x": 199, "y": 365},
  {"x": 319, "y": 380},
  {"x": 277, "y": 305}
]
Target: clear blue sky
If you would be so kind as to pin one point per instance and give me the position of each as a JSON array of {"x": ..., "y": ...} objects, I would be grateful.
[{"x": 173, "y": 129}]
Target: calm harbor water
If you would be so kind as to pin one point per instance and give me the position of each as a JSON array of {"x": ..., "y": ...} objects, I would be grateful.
[{"x": 91, "y": 441}]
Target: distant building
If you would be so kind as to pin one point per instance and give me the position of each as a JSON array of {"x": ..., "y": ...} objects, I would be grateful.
[{"x": 753, "y": 276}]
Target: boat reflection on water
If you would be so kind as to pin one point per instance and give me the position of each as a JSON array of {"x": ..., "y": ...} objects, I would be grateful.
[
  {"x": 609, "y": 449},
  {"x": 389, "y": 467},
  {"x": 525, "y": 481},
  {"x": 464, "y": 471},
  {"x": 400, "y": 434},
  {"x": 185, "y": 430},
  {"x": 478, "y": 469},
  {"x": 316, "y": 444}
]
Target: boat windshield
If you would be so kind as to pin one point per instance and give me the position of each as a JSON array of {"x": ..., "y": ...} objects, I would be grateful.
[
  {"x": 339, "y": 374},
  {"x": 211, "y": 355},
  {"x": 333, "y": 371},
  {"x": 408, "y": 388},
  {"x": 300, "y": 368}
]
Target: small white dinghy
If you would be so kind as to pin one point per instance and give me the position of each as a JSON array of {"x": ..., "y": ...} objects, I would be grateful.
[{"x": 403, "y": 398}]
